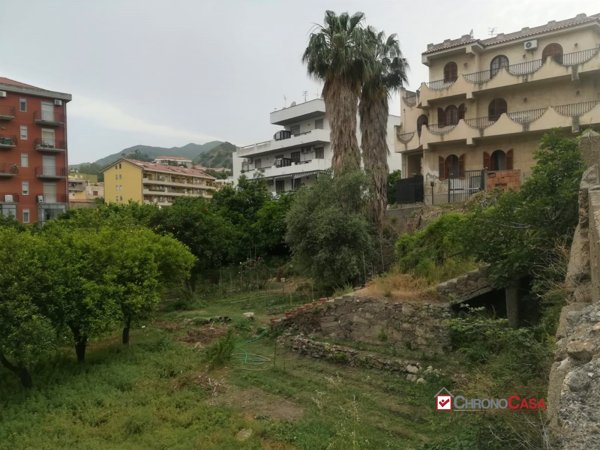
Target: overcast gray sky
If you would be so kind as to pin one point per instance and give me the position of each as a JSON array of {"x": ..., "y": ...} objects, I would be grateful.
[{"x": 170, "y": 72}]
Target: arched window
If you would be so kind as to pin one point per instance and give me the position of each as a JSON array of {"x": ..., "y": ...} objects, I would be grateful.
[
  {"x": 450, "y": 72},
  {"x": 451, "y": 115},
  {"x": 422, "y": 120},
  {"x": 441, "y": 117},
  {"x": 553, "y": 50},
  {"x": 498, "y": 160},
  {"x": 498, "y": 63},
  {"x": 496, "y": 108},
  {"x": 451, "y": 167}
]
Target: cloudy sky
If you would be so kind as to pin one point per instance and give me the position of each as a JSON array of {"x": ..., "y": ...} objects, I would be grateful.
[{"x": 169, "y": 72}]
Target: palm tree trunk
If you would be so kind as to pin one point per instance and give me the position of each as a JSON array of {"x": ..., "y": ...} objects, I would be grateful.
[
  {"x": 373, "y": 128},
  {"x": 341, "y": 108}
]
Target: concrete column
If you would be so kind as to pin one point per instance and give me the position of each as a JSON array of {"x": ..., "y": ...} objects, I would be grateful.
[{"x": 511, "y": 293}]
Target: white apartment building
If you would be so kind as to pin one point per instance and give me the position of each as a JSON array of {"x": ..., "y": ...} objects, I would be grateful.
[{"x": 300, "y": 150}]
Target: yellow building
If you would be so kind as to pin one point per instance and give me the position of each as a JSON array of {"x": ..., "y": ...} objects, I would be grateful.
[
  {"x": 84, "y": 190},
  {"x": 148, "y": 182},
  {"x": 479, "y": 119}
]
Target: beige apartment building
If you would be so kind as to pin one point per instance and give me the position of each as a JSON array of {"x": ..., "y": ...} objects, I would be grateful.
[
  {"x": 149, "y": 182},
  {"x": 477, "y": 122}
]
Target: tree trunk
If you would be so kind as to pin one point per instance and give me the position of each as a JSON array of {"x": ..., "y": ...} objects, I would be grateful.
[
  {"x": 21, "y": 372},
  {"x": 373, "y": 111},
  {"x": 80, "y": 344},
  {"x": 341, "y": 104},
  {"x": 126, "y": 329}
]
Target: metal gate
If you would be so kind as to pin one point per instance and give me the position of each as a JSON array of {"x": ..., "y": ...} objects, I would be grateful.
[
  {"x": 409, "y": 190},
  {"x": 460, "y": 189}
]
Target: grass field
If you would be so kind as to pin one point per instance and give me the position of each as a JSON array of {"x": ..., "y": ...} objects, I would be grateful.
[{"x": 158, "y": 394}]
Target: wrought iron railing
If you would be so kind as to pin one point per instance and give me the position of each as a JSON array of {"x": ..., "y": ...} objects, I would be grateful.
[
  {"x": 8, "y": 141},
  {"x": 9, "y": 169},
  {"x": 525, "y": 117},
  {"x": 7, "y": 197},
  {"x": 45, "y": 145},
  {"x": 7, "y": 112},
  {"x": 440, "y": 128},
  {"x": 575, "y": 58},
  {"x": 54, "y": 118},
  {"x": 438, "y": 85},
  {"x": 405, "y": 137},
  {"x": 575, "y": 109},
  {"x": 50, "y": 172},
  {"x": 481, "y": 122},
  {"x": 410, "y": 99}
]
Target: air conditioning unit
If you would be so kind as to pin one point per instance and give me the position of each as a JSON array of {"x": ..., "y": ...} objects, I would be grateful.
[
  {"x": 530, "y": 45},
  {"x": 40, "y": 198},
  {"x": 57, "y": 102},
  {"x": 8, "y": 198},
  {"x": 2, "y": 93}
]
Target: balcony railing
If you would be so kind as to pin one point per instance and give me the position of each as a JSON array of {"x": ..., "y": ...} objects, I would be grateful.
[
  {"x": 50, "y": 147},
  {"x": 404, "y": 137},
  {"x": 438, "y": 85},
  {"x": 50, "y": 172},
  {"x": 8, "y": 170},
  {"x": 576, "y": 109},
  {"x": 526, "y": 117},
  {"x": 8, "y": 141},
  {"x": 481, "y": 122},
  {"x": 9, "y": 198},
  {"x": 58, "y": 197},
  {"x": 440, "y": 128},
  {"x": 575, "y": 58},
  {"x": 55, "y": 119},
  {"x": 7, "y": 112}
]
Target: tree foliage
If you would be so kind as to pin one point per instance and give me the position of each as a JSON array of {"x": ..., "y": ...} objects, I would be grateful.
[{"x": 328, "y": 233}]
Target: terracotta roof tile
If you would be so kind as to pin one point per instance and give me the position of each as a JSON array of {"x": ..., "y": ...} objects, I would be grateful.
[
  {"x": 14, "y": 83},
  {"x": 526, "y": 32},
  {"x": 172, "y": 169}
]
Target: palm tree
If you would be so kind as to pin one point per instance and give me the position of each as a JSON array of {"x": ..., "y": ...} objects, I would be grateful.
[
  {"x": 387, "y": 73},
  {"x": 336, "y": 55}
]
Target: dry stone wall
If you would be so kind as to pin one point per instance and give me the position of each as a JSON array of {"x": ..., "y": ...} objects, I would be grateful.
[{"x": 574, "y": 387}]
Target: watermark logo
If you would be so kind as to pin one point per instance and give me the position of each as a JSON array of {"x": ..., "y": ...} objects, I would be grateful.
[
  {"x": 443, "y": 400},
  {"x": 446, "y": 401}
]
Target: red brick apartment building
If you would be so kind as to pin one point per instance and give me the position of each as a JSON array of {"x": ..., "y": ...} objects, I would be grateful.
[{"x": 33, "y": 152}]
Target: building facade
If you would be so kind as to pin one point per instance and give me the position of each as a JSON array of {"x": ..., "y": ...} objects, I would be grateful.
[
  {"x": 478, "y": 121},
  {"x": 299, "y": 151},
  {"x": 149, "y": 182},
  {"x": 33, "y": 152},
  {"x": 84, "y": 190}
]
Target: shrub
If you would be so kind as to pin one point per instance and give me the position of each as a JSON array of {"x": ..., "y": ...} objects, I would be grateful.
[{"x": 217, "y": 354}]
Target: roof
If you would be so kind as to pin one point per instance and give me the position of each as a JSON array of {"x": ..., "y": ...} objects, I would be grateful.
[
  {"x": 164, "y": 168},
  {"x": 17, "y": 86},
  {"x": 174, "y": 158},
  {"x": 526, "y": 32}
]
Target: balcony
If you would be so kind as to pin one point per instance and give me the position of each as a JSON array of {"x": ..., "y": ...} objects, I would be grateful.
[
  {"x": 298, "y": 140},
  {"x": 176, "y": 183},
  {"x": 54, "y": 119},
  {"x": 49, "y": 146},
  {"x": 569, "y": 66},
  {"x": 300, "y": 112},
  {"x": 50, "y": 173},
  {"x": 315, "y": 165},
  {"x": 8, "y": 141},
  {"x": 9, "y": 198},
  {"x": 51, "y": 198},
  {"x": 7, "y": 112},
  {"x": 8, "y": 170}
]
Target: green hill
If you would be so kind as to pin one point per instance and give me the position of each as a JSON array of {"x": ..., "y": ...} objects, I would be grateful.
[{"x": 219, "y": 156}]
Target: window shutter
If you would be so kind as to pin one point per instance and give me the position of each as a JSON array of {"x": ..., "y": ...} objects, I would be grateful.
[
  {"x": 461, "y": 166},
  {"x": 442, "y": 168},
  {"x": 486, "y": 160},
  {"x": 441, "y": 118},
  {"x": 509, "y": 159}
]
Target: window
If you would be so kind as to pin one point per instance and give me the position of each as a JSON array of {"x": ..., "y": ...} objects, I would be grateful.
[
  {"x": 116, "y": 176},
  {"x": 498, "y": 63},
  {"x": 25, "y": 188},
  {"x": 279, "y": 186},
  {"x": 450, "y": 72},
  {"x": 295, "y": 157},
  {"x": 319, "y": 124},
  {"x": 23, "y": 132},
  {"x": 9, "y": 210},
  {"x": 25, "y": 216},
  {"x": 47, "y": 112},
  {"x": 554, "y": 51},
  {"x": 498, "y": 160},
  {"x": 48, "y": 138},
  {"x": 441, "y": 117},
  {"x": 23, "y": 104},
  {"x": 319, "y": 153},
  {"x": 496, "y": 108},
  {"x": 451, "y": 167},
  {"x": 451, "y": 115},
  {"x": 422, "y": 120},
  {"x": 24, "y": 160},
  {"x": 295, "y": 129},
  {"x": 461, "y": 111},
  {"x": 257, "y": 163}
]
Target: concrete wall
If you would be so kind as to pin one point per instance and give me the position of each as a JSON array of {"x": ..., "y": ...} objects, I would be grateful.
[{"x": 574, "y": 386}]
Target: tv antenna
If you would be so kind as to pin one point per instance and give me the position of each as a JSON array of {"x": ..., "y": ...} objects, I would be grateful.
[
  {"x": 492, "y": 31},
  {"x": 305, "y": 93}
]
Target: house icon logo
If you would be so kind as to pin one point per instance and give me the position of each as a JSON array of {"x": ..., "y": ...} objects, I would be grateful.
[{"x": 443, "y": 400}]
